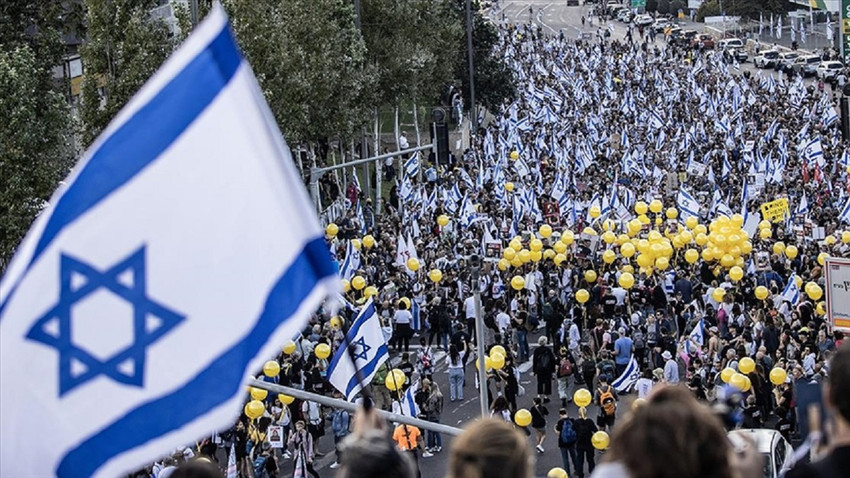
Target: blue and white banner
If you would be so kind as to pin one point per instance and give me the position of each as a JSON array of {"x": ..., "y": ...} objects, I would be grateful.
[
  {"x": 369, "y": 351},
  {"x": 351, "y": 262},
  {"x": 627, "y": 380},
  {"x": 791, "y": 293},
  {"x": 180, "y": 254},
  {"x": 696, "y": 339}
]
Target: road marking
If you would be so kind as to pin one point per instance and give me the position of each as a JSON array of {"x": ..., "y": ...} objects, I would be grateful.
[{"x": 464, "y": 403}]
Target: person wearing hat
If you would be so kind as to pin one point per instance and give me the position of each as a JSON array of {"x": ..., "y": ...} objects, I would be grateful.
[{"x": 671, "y": 368}]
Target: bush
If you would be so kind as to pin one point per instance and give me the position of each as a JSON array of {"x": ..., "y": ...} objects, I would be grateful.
[{"x": 710, "y": 8}]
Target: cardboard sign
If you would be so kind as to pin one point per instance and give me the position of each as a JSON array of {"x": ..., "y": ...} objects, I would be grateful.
[
  {"x": 275, "y": 436},
  {"x": 775, "y": 211}
]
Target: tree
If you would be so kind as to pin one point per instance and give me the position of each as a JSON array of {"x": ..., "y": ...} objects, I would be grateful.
[
  {"x": 663, "y": 7},
  {"x": 124, "y": 47},
  {"x": 35, "y": 134},
  {"x": 309, "y": 59},
  {"x": 494, "y": 82},
  {"x": 651, "y": 6}
]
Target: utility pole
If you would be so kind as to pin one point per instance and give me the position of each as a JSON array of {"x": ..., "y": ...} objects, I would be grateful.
[
  {"x": 193, "y": 12},
  {"x": 473, "y": 115},
  {"x": 475, "y": 264}
]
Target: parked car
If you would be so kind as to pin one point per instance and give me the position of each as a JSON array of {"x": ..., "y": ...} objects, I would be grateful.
[
  {"x": 766, "y": 59},
  {"x": 806, "y": 65},
  {"x": 703, "y": 41},
  {"x": 683, "y": 37},
  {"x": 728, "y": 43},
  {"x": 773, "y": 447},
  {"x": 828, "y": 70},
  {"x": 785, "y": 60},
  {"x": 643, "y": 20},
  {"x": 625, "y": 15},
  {"x": 660, "y": 25}
]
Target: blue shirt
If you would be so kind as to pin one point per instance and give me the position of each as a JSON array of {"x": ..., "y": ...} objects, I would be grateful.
[{"x": 623, "y": 347}]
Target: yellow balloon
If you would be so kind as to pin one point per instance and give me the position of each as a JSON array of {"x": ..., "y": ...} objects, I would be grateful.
[
  {"x": 525, "y": 256},
  {"x": 727, "y": 261},
  {"x": 765, "y": 224},
  {"x": 778, "y": 376},
  {"x": 582, "y": 397},
  {"x": 503, "y": 264},
  {"x": 358, "y": 282},
  {"x": 643, "y": 219},
  {"x": 545, "y": 231},
  {"x": 626, "y": 280},
  {"x": 370, "y": 291},
  {"x": 736, "y": 273},
  {"x": 822, "y": 258},
  {"x": 791, "y": 252},
  {"x": 346, "y": 286},
  {"x": 589, "y": 231},
  {"x": 436, "y": 275},
  {"x": 443, "y": 220},
  {"x": 628, "y": 268},
  {"x": 662, "y": 263},
  {"x": 498, "y": 349},
  {"x": 557, "y": 472},
  {"x": 522, "y": 417},
  {"x": 609, "y": 237},
  {"x": 746, "y": 247},
  {"x": 582, "y": 296},
  {"x": 691, "y": 256},
  {"x": 289, "y": 347},
  {"x": 726, "y": 374},
  {"x": 567, "y": 237},
  {"x": 707, "y": 255},
  {"x": 761, "y": 292},
  {"x": 258, "y": 393},
  {"x": 395, "y": 380},
  {"x": 829, "y": 240},
  {"x": 514, "y": 155},
  {"x": 285, "y": 399},
  {"x": 600, "y": 440},
  {"x": 627, "y": 250},
  {"x": 595, "y": 211},
  {"x": 746, "y": 365},
  {"x": 845, "y": 237},
  {"x": 413, "y": 264},
  {"x": 644, "y": 260},
  {"x": 332, "y": 230},
  {"x": 254, "y": 409},
  {"x": 691, "y": 222},
  {"x": 820, "y": 309},
  {"x": 640, "y": 207},
  {"x": 739, "y": 381},
  {"x": 656, "y": 206},
  {"x": 814, "y": 291},
  {"x": 559, "y": 259},
  {"x": 737, "y": 220},
  {"x": 518, "y": 283},
  {"x": 701, "y": 239},
  {"x": 622, "y": 239},
  {"x": 718, "y": 294},
  {"x": 336, "y": 322},
  {"x": 536, "y": 256},
  {"x": 590, "y": 276},
  {"x": 535, "y": 244},
  {"x": 509, "y": 187},
  {"x": 356, "y": 243},
  {"x": 322, "y": 351},
  {"x": 560, "y": 247},
  {"x": 368, "y": 241},
  {"x": 672, "y": 213},
  {"x": 509, "y": 253},
  {"x": 271, "y": 368},
  {"x": 516, "y": 262},
  {"x": 608, "y": 256},
  {"x": 765, "y": 234},
  {"x": 497, "y": 361}
]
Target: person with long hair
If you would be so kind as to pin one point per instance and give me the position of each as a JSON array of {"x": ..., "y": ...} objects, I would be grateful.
[
  {"x": 455, "y": 365},
  {"x": 490, "y": 448}
]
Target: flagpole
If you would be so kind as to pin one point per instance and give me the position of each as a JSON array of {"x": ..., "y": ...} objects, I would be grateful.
[{"x": 475, "y": 264}]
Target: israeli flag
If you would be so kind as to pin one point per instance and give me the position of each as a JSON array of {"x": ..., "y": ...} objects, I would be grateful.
[
  {"x": 814, "y": 151},
  {"x": 411, "y": 166},
  {"x": 351, "y": 262},
  {"x": 688, "y": 206},
  {"x": 369, "y": 352},
  {"x": 803, "y": 206},
  {"x": 843, "y": 217},
  {"x": 179, "y": 256},
  {"x": 696, "y": 337},
  {"x": 830, "y": 116},
  {"x": 408, "y": 404},
  {"x": 627, "y": 380},
  {"x": 791, "y": 293},
  {"x": 415, "y": 311}
]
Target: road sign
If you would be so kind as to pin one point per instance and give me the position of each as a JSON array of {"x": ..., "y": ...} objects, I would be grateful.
[
  {"x": 642, "y": 3},
  {"x": 845, "y": 30}
]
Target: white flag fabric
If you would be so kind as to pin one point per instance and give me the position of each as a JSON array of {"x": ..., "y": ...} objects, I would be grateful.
[
  {"x": 179, "y": 256},
  {"x": 627, "y": 380},
  {"x": 232, "y": 471},
  {"x": 351, "y": 262},
  {"x": 696, "y": 339},
  {"x": 370, "y": 352},
  {"x": 791, "y": 293},
  {"x": 409, "y": 406},
  {"x": 687, "y": 204}
]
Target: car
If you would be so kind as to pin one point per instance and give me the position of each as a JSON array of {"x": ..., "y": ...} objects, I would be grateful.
[
  {"x": 683, "y": 37},
  {"x": 727, "y": 43},
  {"x": 625, "y": 15},
  {"x": 785, "y": 60},
  {"x": 766, "y": 59},
  {"x": 805, "y": 65},
  {"x": 643, "y": 20},
  {"x": 660, "y": 25},
  {"x": 703, "y": 41},
  {"x": 773, "y": 447},
  {"x": 828, "y": 70},
  {"x": 735, "y": 54}
]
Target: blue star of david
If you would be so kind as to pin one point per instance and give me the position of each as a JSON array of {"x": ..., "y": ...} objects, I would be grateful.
[
  {"x": 363, "y": 348},
  {"x": 55, "y": 328}
]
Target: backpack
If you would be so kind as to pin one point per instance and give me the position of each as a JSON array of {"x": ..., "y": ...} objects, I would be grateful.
[
  {"x": 548, "y": 310},
  {"x": 639, "y": 340},
  {"x": 340, "y": 424},
  {"x": 544, "y": 362},
  {"x": 531, "y": 323},
  {"x": 568, "y": 433},
  {"x": 588, "y": 367},
  {"x": 606, "y": 400},
  {"x": 566, "y": 368},
  {"x": 260, "y": 467}
]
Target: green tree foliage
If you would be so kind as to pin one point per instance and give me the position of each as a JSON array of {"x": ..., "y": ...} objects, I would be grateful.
[
  {"x": 651, "y": 6},
  {"x": 123, "y": 48},
  {"x": 709, "y": 8},
  {"x": 35, "y": 132},
  {"x": 494, "y": 81},
  {"x": 663, "y": 7},
  {"x": 412, "y": 45},
  {"x": 309, "y": 59}
]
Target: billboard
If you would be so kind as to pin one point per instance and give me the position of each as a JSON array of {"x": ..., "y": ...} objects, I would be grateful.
[{"x": 838, "y": 293}]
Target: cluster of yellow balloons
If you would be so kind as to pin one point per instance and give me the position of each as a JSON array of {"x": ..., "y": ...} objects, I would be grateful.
[
  {"x": 654, "y": 252},
  {"x": 515, "y": 255},
  {"x": 725, "y": 244},
  {"x": 496, "y": 359}
]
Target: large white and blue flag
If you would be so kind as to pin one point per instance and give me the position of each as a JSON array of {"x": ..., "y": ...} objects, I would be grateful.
[
  {"x": 180, "y": 254},
  {"x": 351, "y": 262},
  {"x": 369, "y": 352},
  {"x": 627, "y": 380},
  {"x": 687, "y": 204},
  {"x": 791, "y": 293},
  {"x": 696, "y": 339}
]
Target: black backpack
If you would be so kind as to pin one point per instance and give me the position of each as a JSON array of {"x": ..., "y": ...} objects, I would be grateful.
[
  {"x": 639, "y": 340},
  {"x": 588, "y": 367},
  {"x": 544, "y": 362}
]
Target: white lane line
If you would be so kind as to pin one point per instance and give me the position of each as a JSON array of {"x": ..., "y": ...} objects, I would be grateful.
[{"x": 540, "y": 20}]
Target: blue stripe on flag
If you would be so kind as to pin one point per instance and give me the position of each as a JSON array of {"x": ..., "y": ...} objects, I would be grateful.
[
  {"x": 161, "y": 121},
  {"x": 220, "y": 381}
]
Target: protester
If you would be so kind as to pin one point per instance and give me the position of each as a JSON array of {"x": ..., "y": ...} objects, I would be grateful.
[{"x": 490, "y": 448}]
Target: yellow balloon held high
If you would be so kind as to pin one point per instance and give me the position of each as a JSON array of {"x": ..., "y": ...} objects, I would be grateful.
[
  {"x": 258, "y": 393},
  {"x": 672, "y": 213},
  {"x": 746, "y": 365},
  {"x": 370, "y": 291},
  {"x": 436, "y": 275},
  {"x": 536, "y": 256},
  {"x": 726, "y": 374},
  {"x": 627, "y": 250},
  {"x": 691, "y": 256},
  {"x": 525, "y": 256},
  {"x": 271, "y": 368},
  {"x": 600, "y": 440},
  {"x": 736, "y": 273},
  {"x": 762, "y": 292},
  {"x": 718, "y": 294},
  {"x": 778, "y": 376},
  {"x": 346, "y": 286},
  {"x": 285, "y": 399},
  {"x": 814, "y": 291},
  {"x": 522, "y": 417},
  {"x": 845, "y": 237},
  {"x": 567, "y": 237},
  {"x": 791, "y": 252},
  {"x": 582, "y": 397},
  {"x": 608, "y": 256},
  {"x": 443, "y": 220},
  {"x": 289, "y": 347},
  {"x": 413, "y": 264},
  {"x": 518, "y": 283},
  {"x": 559, "y": 259},
  {"x": 322, "y": 351},
  {"x": 545, "y": 231},
  {"x": 582, "y": 296},
  {"x": 509, "y": 253},
  {"x": 535, "y": 244},
  {"x": 336, "y": 322},
  {"x": 503, "y": 264},
  {"x": 557, "y": 472},
  {"x": 395, "y": 380},
  {"x": 356, "y": 243},
  {"x": 560, "y": 247},
  {"x": 498, "y": 349},
  {"x": 626, "y": 280},
  {"x": 254, "y": 409},
  {"x": 358, "y": 282},
  {"x": 822, "y": 258},
  {"x": 656, "y": 206},
  {"x": 595, "y": 211},
  {"x": 691, "y": 222},
  {"x": 332, "y": 230},
  {"x": 497, "y": 361},
  {"x": 368, "y": 241},
  {"x": 590, "y": 276},
  {"x": 641, "y": 207},
  {"x": 509, "y": 187},
  {"x": 739, "y": 381},
  {"x": 514, "y": 155}
]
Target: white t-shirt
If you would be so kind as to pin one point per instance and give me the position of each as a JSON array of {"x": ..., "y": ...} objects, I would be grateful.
[
  {"x": 469, "y": 307},
  {"x": 503, "y": 320},
  {"x": 643, "y": 387},
  {"x": 402, "y": 317},
  {"x": 620, "y": 294}
]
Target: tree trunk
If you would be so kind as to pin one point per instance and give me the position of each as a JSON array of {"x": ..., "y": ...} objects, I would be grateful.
[{"x": 418, "y": 139}]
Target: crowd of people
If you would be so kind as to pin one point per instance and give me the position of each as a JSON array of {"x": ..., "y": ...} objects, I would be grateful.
[{"x": 556, "y": 193}]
